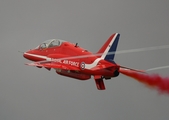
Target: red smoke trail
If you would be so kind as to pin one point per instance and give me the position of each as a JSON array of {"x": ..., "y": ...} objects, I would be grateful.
[{"x": 153, "y": 80}]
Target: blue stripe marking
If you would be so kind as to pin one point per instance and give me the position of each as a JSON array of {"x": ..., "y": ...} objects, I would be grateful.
[{"x": 113, "y": 49}]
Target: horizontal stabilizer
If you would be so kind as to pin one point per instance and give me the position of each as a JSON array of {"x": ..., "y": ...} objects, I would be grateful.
[{"x": 126, "y": 68}]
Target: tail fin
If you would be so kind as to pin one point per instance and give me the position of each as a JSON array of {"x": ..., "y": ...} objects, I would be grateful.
[{"x": 110, "y": 46}]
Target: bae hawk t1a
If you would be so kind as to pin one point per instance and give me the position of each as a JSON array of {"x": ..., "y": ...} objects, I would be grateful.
[{"x": 70, "y": 60}]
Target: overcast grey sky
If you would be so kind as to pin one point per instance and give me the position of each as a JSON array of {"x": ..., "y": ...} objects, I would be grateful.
[{"x": 29, "y": 93}]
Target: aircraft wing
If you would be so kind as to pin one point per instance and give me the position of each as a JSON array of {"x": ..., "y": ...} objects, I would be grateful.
[{"x": 49, "y": 64}]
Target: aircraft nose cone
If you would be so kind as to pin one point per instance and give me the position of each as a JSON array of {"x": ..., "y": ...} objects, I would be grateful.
[
  {"x": 25, "y": 55},
  {"x": 31, "y": 55}
]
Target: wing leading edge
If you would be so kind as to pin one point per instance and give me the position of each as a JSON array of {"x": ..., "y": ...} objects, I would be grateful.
[{"x": 54, "y": 65}]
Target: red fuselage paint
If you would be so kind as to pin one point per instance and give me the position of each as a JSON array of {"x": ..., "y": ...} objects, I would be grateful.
[{"x": 67, "y": 50}]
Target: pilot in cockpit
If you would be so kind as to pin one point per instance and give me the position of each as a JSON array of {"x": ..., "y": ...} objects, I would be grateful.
[
  {"x": 54, "y": 43},
  {"x": 51, "y": 43}
]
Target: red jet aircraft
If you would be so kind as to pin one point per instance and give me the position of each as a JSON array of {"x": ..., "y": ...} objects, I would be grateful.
[{"x": 70, "y": 60}]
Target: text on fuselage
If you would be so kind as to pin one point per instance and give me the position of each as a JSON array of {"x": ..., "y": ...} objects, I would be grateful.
[{"x": 67, "y": 62}]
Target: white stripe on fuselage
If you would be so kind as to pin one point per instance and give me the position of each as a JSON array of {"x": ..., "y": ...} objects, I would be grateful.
[
  {"x": 38, "y": 56},
  {"x": 87, "y": 66}
]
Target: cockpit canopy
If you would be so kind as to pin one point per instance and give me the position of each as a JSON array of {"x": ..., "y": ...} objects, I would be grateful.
[{"x": 51, "y": 43}]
